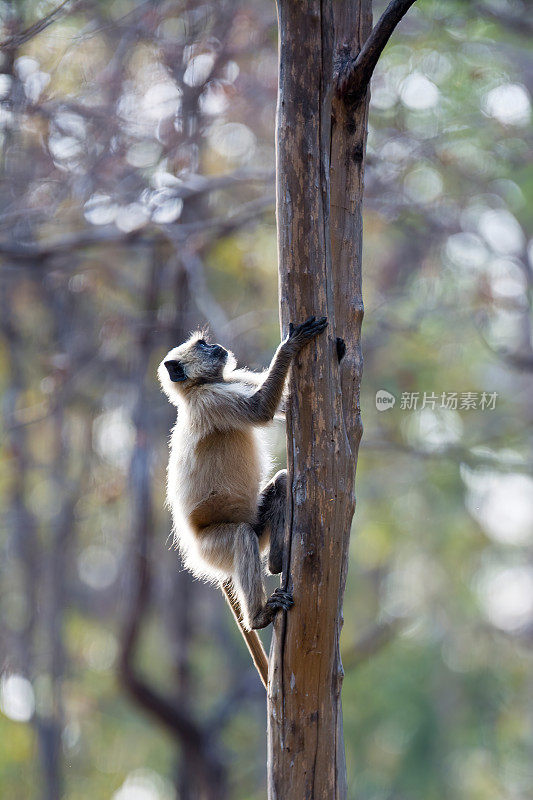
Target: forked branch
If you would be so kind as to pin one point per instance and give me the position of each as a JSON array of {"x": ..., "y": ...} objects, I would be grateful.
[
  {"x": 16, "y": 40},
  {"x": 354, "y": 76}
]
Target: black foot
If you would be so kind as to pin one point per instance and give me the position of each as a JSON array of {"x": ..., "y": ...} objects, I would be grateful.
[{"x": 279, "y": 600}]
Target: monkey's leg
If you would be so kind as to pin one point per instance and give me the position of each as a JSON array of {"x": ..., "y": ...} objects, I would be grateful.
[
  {"x": 248, "y": 581},
  {"x": 234, "y": 548},
  {"x": 271, "y": 518},
  {"x": 247, "y": 575}
]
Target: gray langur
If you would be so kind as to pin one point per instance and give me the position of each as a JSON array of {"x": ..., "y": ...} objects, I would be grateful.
[{"x": 225, "y": 520}]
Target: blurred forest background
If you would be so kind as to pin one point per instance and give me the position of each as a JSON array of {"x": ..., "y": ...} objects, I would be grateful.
[{"x": 137, "y": 186}]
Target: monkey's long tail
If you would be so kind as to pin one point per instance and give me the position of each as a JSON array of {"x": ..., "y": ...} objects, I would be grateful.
[{"x": 253, "y": 642}]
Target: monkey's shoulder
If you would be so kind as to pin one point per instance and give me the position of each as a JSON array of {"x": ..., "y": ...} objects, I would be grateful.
[
  {"x": 218, "y": 406},
  {"x": 215, "y": 395},
  {"x": 234, "y": 385},
  {"x": 245, "y": 378}
]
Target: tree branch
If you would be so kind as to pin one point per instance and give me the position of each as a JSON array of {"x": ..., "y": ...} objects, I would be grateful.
[
  {"x": 15, "y": 41},
  {"x": 514, "y": 21},
  {"x": 32, "y": 254},
  {"x": 35, "y": 252},
  {"x": 354, "y": 75},
  {"x": 371, "y": 642},
  {"x": 458, "y": 454}
]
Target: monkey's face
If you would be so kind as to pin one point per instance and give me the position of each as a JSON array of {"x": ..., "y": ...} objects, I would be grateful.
[{"x": 193, "y": 363}]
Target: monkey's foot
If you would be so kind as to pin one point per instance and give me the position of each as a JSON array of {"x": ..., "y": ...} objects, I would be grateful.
[{"x": 279, "y": 600}]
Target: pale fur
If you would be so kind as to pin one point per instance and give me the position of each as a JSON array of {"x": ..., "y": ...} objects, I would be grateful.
[
  {"x": 232, "y": 467},
  {"x": 224, "y": 517}
]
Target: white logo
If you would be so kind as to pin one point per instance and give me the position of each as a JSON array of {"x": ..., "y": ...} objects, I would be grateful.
[{"x": 384, "y": 400}]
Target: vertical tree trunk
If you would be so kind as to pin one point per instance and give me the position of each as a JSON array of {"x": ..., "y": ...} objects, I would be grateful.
[{"x": 321, "y": 137}]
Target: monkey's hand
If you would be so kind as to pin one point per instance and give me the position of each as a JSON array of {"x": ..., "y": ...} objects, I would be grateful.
[
  {"x": 279, "y": 600},
  {"x": 299, "y": 335}
]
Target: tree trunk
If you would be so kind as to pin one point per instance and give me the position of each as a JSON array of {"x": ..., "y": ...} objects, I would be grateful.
[{"x": 321, "y": 137}]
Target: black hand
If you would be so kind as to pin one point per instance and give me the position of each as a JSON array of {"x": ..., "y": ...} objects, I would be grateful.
[{"x": 303, "y": 333}]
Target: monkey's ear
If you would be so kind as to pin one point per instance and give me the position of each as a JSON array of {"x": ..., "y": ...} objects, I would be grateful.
[{"x": 175, "y": 371}]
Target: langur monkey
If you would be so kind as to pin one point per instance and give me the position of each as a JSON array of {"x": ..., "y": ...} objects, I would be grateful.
[{"x": 225, "y": 519}]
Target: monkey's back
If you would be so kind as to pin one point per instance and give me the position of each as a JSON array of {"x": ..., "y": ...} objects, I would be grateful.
[{"x": 215, "y": 477}]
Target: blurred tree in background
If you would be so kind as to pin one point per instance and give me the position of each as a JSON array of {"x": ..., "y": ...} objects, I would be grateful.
[{"x": 137, "y": 157}]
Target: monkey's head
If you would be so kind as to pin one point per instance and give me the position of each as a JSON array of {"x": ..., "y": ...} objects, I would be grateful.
[{"x": 194, "y": 363}]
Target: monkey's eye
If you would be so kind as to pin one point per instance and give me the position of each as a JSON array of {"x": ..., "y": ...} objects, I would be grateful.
[{"x": 202, "y": 342}]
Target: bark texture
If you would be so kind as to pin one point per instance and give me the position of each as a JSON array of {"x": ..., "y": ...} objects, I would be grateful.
[{"x": 321, "y": 138}]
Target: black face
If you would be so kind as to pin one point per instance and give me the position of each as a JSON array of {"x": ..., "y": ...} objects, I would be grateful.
[
  {"x": 214, "y": 351},
  {"x": 203, "y": 365},
  {"x": 176, "y": 372}
]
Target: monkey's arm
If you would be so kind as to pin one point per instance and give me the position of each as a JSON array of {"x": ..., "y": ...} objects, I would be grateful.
[
  {"x": 262, "y": 404},
  {"x": 255, "y": 380},
  {"x": 233, "y": 404}
]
